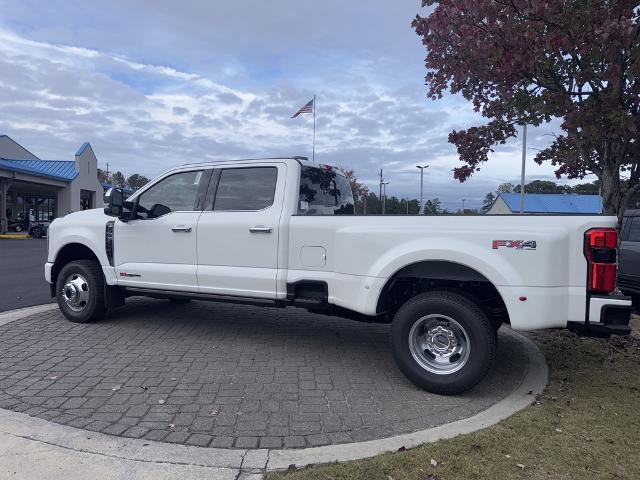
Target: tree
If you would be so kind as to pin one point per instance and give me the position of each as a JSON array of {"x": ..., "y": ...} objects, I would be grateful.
[
  {"x": 373, "y": 204},
  {"x": 487, "y": 203},
  {"x": 102, "y": 176},
  {"x": 592, "y": 188},
  {"x": 136, "y": 181},
  {"x": 433, "y": 207},
  {"x": 118, "y": 180},
  {"x": 360, "y": 191},
  {"x": 506, "y": 187},
  {"x": 523, "y": 62},
  {"x": 543, "y": 186}
]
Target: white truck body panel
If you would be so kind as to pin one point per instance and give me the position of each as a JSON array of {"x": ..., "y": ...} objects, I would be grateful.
[{"x": 542, "y": 288}]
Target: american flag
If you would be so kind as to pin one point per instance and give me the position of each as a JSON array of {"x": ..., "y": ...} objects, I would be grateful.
[{"x": 308, "y": 108}]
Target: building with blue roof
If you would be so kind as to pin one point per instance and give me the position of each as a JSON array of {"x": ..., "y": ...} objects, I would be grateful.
[
  {"x": 33, "y": 190},
  {"x": 547, "y": 203}
]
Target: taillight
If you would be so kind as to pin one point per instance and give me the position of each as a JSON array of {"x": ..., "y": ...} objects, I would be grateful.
[{"x": 600, "y": 246}]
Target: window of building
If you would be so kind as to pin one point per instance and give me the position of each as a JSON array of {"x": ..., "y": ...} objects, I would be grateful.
[
  {"x": 323, "y": 191},
  {"x": 246, "y": 189}
]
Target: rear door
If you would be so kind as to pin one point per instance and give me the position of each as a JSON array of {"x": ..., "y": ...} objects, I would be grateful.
[{"x": 239, "y": 229}]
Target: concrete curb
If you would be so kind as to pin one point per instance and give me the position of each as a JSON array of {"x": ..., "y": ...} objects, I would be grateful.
[
  {"x": 84, "y": 446},
  {"x": 15, "y": 236}
]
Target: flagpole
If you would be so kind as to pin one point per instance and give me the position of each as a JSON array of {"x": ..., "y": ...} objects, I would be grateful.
[{"x": 313, "y": 148}]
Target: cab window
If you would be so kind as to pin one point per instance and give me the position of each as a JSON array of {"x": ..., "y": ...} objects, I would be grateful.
[
  {"x": 175, "y": 193},
  {"x": 324, "y": 191},
  {"x": 246, "y": 189}
]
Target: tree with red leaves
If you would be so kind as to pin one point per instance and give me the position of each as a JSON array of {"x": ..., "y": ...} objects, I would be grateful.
[{"x": 530, "y": 61}]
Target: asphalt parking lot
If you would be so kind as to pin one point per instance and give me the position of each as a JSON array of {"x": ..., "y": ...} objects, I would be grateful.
[{"x": 22, "y": 282}]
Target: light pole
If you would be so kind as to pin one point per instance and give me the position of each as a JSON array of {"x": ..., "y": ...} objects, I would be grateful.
[
  {"x": 524, "y": 160},
  {"x": 380, "y": 197},
  {"x": 463, "y": 200},
  {"x": 421, "y": 167},
  {"x": 384, "y": 184}
]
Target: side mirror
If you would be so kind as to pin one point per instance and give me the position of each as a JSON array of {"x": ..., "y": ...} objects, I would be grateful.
[{"x": 114, "y": 202}]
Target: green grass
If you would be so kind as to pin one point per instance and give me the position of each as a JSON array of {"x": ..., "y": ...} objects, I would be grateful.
[{"x": 586, "y": 425}]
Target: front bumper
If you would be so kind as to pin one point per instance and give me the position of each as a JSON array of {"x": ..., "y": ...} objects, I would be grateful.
[{"x": 607, "y": 315}]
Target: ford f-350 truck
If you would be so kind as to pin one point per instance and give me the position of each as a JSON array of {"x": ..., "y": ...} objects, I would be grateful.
[{"x": 282, "y": 232}]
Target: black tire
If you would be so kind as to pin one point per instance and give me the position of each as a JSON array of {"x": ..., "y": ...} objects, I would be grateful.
[
  {"x": 36, "y": 233},
  {"x": 480, "y": 335},
  {"x": 180, "y": 301},
  {"x": 91, "y": 273},
  {"x": 18, "y": 228}
]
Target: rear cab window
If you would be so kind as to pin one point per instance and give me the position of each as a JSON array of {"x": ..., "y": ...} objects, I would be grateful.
[{"x": 324, "y": 191}]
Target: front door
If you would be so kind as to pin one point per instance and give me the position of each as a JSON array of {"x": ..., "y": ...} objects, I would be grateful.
[
  {"x": 238, "y": 231},
  {"x": 157, "y": 248}
]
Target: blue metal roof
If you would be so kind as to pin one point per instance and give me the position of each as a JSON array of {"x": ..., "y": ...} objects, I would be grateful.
[
  {"x": 64, "y": 170},
  {"x": 554, "y": 203}
]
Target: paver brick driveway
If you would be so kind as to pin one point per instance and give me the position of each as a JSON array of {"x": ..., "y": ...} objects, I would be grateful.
[{"x": 227, "y": 376}]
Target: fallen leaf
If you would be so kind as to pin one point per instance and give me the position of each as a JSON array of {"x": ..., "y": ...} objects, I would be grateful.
[
  {"x": 559, "y": 430},
  {"x": 520, "y": 465},
  {"x": 171, "y": 425},
  {"x": 508, "y": 456},
  {"x": 434, "y": 463},
  {"x": 161, "y": 402},
  {"x": 116, "y": 388},
  {"x": 53, "y": 377}
]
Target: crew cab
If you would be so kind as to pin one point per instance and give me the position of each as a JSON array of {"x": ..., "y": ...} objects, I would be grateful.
[{"x": 282, "y": 232}]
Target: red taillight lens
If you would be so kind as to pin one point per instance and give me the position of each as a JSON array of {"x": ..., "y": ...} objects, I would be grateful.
[
  {"x": 602, "y": 238},
  {"x": 602, "y": 277},
  {"x": 600, "y": 246}
]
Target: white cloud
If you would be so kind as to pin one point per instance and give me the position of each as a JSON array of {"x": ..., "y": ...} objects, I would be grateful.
[{"x": 233, "y": 94}]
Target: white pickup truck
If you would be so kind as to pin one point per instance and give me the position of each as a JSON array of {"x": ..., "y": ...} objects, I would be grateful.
[{"x": 281, "y": 232}]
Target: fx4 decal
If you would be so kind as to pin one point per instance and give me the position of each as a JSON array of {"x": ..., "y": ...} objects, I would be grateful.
[{"x": 517, "y": 244}]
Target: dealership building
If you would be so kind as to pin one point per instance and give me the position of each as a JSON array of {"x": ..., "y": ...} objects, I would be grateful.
[{"x": 45, "y": 189}]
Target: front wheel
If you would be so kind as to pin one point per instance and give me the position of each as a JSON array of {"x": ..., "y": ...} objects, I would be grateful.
[
  {"x": 443, "y": 342},
  {"x": 80, "y": 291}
]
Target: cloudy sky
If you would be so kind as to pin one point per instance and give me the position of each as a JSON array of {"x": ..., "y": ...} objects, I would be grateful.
[{"x": 159, "y": 83}]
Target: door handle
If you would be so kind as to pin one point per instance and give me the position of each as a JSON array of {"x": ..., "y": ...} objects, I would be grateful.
[
  {"x": 181, "y": 228},
  {"x": 260, "y": 229}
]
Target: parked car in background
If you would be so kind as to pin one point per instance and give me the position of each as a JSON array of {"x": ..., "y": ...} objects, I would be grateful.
[
  {"x": 629, "y": 255},
  {"x": 17, "y": 225},
  {"x": 39, "y": 230}
]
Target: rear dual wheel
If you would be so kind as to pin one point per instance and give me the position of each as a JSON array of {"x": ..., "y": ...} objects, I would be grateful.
[{"x": 443, "y": 342}]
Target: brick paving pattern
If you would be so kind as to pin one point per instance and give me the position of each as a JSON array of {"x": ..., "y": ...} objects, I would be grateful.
[{"x": 229, "y": 376}]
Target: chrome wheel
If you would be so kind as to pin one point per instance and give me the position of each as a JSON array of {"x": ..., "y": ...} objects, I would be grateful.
[
  {"x": 76, "y": 292},
  {"x": 439, "y": 344}
]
